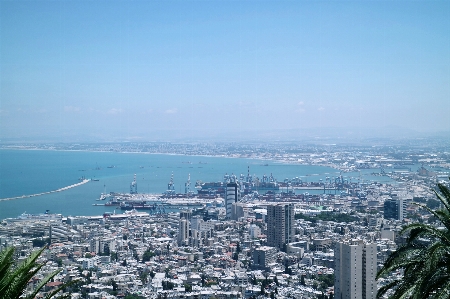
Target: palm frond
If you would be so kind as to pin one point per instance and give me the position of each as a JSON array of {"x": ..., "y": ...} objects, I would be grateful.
[
  {"x": 14, "y": 278},
  {"x": 424, "y": 260}
]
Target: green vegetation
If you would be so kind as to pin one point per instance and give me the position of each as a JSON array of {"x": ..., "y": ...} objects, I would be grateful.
[
  {"x": 188, "y": 287},
  {"x": 433, "y": 204},
  {"x": 40, "y": 242},
  {"x": 167, "y": 285},
  {"x": 325, "y": 281},
  {"x": 14, "y": 277},
  {"x": 148, "y": 254},
  {"x": 327, "y": 216},
  {"x": 425, "y": 265}
]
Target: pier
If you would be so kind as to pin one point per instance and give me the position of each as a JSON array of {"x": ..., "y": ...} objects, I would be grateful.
[{"x": 48, "y": 192}]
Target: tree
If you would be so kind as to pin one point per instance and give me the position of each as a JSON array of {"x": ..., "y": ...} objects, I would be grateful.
[
  {"x": 148, "y": 254},
  {"x": 238, "y": 248},
  {"x": 14, "y": 277},
  {"x": 424, "y": 258}
]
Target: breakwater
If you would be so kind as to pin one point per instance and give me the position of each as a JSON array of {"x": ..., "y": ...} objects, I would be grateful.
[{"x": 48, "y": 192}]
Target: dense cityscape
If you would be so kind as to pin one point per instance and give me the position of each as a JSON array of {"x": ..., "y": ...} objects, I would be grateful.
[
  {"x": 243, "y": 237},
  {"x": 224, "y": 149}
]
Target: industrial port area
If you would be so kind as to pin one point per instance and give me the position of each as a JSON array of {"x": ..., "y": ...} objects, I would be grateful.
[{"x": 243, "y": 236}]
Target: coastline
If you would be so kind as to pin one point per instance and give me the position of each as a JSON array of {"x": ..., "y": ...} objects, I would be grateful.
[{"x": 231, "y": 156}]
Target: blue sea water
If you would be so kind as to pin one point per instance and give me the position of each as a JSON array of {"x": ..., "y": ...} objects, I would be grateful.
[{"x": 25, "y": 172}]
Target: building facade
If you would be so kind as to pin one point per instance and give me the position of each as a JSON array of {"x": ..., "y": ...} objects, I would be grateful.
[
  {"x": 183, "y": 232},
  {"x": 395, "y": 209},
  {"x": 232, "y": 194},
  {"x": 280, "y": 225},
  {"x": 355, "y": 270},
  {"x": 263, "y": 256}
]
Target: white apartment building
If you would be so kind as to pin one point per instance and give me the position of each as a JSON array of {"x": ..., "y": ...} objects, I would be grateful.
[{"x": 355, "y": 270}]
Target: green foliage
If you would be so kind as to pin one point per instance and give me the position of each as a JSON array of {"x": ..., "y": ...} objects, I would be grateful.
[
  {"x": 167, "y": 285},
  {"x": 59, "y": 262},
  {"x": 144, "y": 277},
  {"x": 235, "y": 256},
  {"x": 425, "y": 265},
  {"x": 40, "y": 242},
  {"x": 134, "y": 296},
  {"x": 325, "y": 281},
  {"x": 113, "y": 256},
  {"x": 188, "y": 287},
  {"x": 14, "y": 277},
  {"x": 328, "y": 216},
  {"x": 433, "y": 204},
  {"x": 148, "y": 254}
]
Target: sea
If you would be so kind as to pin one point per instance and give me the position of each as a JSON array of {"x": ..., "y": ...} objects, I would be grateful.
[{"x": 27, "y": 172}]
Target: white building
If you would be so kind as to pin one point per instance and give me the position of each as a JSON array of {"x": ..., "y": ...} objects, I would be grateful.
[
  {"x": 254, "y": 231},
  {"x": 355, "y": 270},
  {"x": 183, "y": 232}
]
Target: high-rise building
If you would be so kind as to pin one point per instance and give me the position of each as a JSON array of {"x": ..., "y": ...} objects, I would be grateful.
[
  {"x": 355, "y": 270},
  {"x": 183, "y": 232},
  {"x": 232, "y": 195},
  {"x": 395, "y": 209},
  {"x": 280, "y": 225},
  {"x": 263, "y": 256},
  {"x": 186, "y": 214}
]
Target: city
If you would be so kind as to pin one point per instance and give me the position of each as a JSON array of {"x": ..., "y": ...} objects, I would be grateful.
[
  {"x": 240, "y": 241},
  {"x": 224, "y": 149}
]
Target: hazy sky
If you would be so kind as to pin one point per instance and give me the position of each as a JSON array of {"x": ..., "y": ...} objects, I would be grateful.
[{"x": 136, "y": 69}]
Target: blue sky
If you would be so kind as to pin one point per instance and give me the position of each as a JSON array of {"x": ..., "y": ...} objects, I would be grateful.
[{"x": 142, "y": 69}]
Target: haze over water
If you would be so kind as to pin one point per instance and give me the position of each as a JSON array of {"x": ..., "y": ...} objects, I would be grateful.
[{"x": 26, "y": 172}]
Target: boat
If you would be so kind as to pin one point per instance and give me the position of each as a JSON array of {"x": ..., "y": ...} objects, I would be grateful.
[
  {"x": 24, "y": 217},
  {"x": 103, "y": 196}
]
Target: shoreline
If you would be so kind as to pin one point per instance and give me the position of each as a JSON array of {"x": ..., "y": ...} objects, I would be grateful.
[{"x": 231, "y": 156}]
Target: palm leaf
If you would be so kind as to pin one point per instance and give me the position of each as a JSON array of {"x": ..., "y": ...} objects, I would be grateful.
[
  {"x": 14, "y": 279},
  {"x": 424, "y": 259}
]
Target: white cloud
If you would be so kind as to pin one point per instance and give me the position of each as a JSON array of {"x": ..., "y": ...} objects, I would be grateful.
[
  {"x": 321, "y": 109},
  {"x": 114, "y": 111},
  {"x": 171, "y": 111},
  {"x": 72, "y": 109},
  {"x": 301, "y": 103}
]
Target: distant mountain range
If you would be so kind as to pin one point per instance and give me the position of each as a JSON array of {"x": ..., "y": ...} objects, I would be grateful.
[{"x": 310, "y": 135}]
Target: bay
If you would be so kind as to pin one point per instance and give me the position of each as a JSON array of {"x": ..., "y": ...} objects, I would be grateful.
[{"x": 26, "y": 172}]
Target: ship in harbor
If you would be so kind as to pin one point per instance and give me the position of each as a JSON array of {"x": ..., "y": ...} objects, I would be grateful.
[
  {"x": 154, "y": 203},
  {"x": 24, "y": 217}
]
